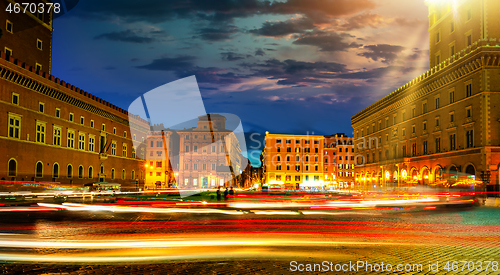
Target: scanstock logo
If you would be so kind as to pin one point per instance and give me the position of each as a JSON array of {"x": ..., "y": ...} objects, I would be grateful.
[{"x": 187, "y": 147}]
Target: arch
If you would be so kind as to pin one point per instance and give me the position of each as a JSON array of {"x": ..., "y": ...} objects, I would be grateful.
[
  {"x": 91, "y": 172},
  {"x": 425, "y": 175},
  {"x": 452, "y": 169},
  {"x": 69, "y": 171},
  {"x": 112, "y": 173},
  {"x": 39, "y": 169},
  {"x": 470, "y": 169},
  {"x": 438, "y": 173},
  {"x": 55, "y": 170},
  {"x": 414, "y": 173},
  {"x": 80, "y": 172},
  {"x": 12, "y": 167}
]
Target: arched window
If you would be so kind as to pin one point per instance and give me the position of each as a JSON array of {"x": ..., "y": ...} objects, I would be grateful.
[
  {"x": 133, "y": 174},
  {"x": 113, "y": 173},
  {"x": 55, "y": 170},
  {"x": 12, "y": 168},
  {"x": 70, "y": 171},
  {"x": 123, "y": 174},
  {"x": 39, "y": 169},
  {"x": 91, "y": 172},
  {"x": 80, "y": 172}
]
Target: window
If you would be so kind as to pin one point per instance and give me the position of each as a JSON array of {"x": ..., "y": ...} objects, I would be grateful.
[
  {"x": 404, "y": 115},
  {"x": 133, "y": 153},
  {"x": 123, "y": 174},
  {"x": 114, "y": 130},
  {"x": 452, "y": 26},
  {"x": 386, "y": 122},
  {"x": 468, "y": 38},
  {"x": 55, "y": 170},
  {"x": 71, "y": 139},
  {"x": 113, "y": 148},
  {"x": 195, "y": 149},
  {"x": 424, "y": 107},
  {"x": 438, "y": 36},
  {"x": 414, "y": 149},
  {"x": 38, "y": 67},
  {"x": 39, "y": 169},
  {"x": 469, "y": 14},
  {"x": 69, "y": 171},
  {"x": 468, "y": 112},
  {"x": 39, "y": 44},
  {"x": 91, "y": 172},
  {"x": 132, "y": 175},
  {"x": 213, "y": 166},
  {"x": 9, "y": 26},
  {"x": 81, "y": 141},
  {"x": 403, "y": 132},
  {"x": 404, "y": 150},
  {"x": 288, "y": 149},
  {"x": 57, "y": 136},
  {"x": 71, "y": 117},
  {"x": 413, "y": 112},
  {"x": 316, "y": 142},
  {"x": 80, "y": 172},
  {"x": 58, "y": 112},
  {"x": 82, "y": 120},
  {"x": 278, "y": 167},
  {"x": 424, "y": 126},
  {"x": 8, "y": 52},
  {"x": 394, "y": 120},
  {"x": 452, "y": 117},
  {"x": 452, "y": 142},
  {"x": 124, "y": 150},
  {"x": 113, "y": 173},
  {"x": 204, "y": 167},
  {"x": 103, "y": 127},
  {"x": 468, "y": 89},
  {"x": 438, "y": 144},
  {"x": 40, "y": 132},
  {"x": 125, "y": 134},
  {"x": 288, "y": 141},
  {"x": 452, "y": 97},
  {"x": 159, "y": 143},
  {"x": 437, "y": 102},
  {"x": 14, "y": 126},
  {"x": 424, "y": 147},
  {"x": 452, "y": 48},
  {"x": 469, "y": 139},
  {"x": 41, "y": 107},
  {"x": 438, "y": 58},
  {"x": 15, "y": 99}
]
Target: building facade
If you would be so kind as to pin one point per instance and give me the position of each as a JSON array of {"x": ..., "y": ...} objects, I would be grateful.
[
  {"x": 308, "y": 161},
  {"x": 53, "y": 131},
  {"x": 442, "y": 127},
  {"x": 209, "y": 155}
]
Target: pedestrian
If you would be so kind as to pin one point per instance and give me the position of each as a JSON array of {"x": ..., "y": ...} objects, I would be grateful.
[
  {"x": 231, "y": 191},
  {"x": 218, "y": 194},
  {"x": 226, "y": 193}
]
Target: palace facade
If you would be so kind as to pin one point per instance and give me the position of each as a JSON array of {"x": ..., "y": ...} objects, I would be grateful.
[{"x": 441, "y": 128}]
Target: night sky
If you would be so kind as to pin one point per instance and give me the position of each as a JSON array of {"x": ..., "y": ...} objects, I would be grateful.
[{"x": 288, "y": 66}]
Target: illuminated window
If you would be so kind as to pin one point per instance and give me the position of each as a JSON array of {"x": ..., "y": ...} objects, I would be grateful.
[
  {"x": 57, "y": 136},
  {"x": 40, "y": 132}
]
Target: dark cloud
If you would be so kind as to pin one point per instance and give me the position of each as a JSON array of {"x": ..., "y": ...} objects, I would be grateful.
[
  {"x": 232, "y": 56},
  {"x": 158, "y": 11},
  {"x": 417, "y": 54},
  {"x": 369, "y": 74},
  {"x": 217, "y": 33},
  {"x": 282, "y": 28},
  {"x": 384, "y": 52},
  {"x": 326, "y": 41},
  {"x": 183, "y": 66},
  {"x": 127, "y": 36},
  {"x": 363, "y": 20},
  {"x": 293, "y": 72},
  {"x": 260, "y": 52},
  {"x": 170, "y": 64}
]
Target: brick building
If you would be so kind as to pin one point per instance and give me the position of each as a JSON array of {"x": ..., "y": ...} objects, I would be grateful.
[{"x": 52, "y": 131}]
